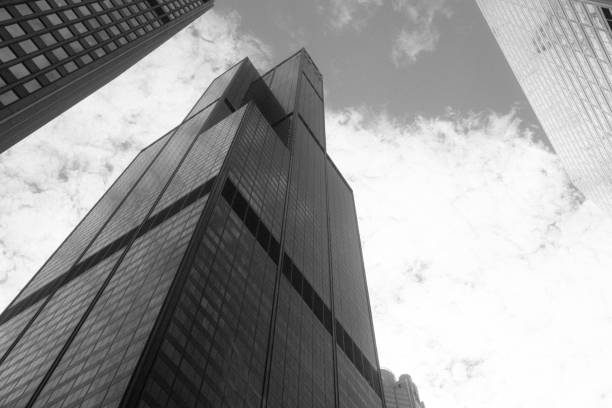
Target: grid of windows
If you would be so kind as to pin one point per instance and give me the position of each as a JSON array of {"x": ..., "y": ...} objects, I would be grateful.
[
  {"x": 283, "y": 82},
  {"x": 350, "y": 292},
  {"x": 214, "y": 349},
  {"x": 203, "y": 161},
  {"x": 560, "y": 52},
  {"x": 353, "y": 389},
  {"x": 259, "y": 165},
  {"x": 175, "y": 298},
  {"x": 29, "y": 361},
  {"x": 302, "y": 373},
  {"x": 13, "y": 327},
  {"x": 216, "y": 89},
  {"x": 72, "y": 248},
  {"x": 45, "y": 40},
  {"x": 96, "y": 368},
  {"x": 302, "y": 289},
  {"x": 314, "y": 76}
]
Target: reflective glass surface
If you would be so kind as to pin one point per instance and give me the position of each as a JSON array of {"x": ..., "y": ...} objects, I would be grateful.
[{"x": 560, "y": 52}]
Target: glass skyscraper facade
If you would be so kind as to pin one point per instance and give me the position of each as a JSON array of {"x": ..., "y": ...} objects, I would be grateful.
[
  {"x": 53, "y": 53},
  {"x": 223, "y": 268},
  {"x": 401, "y": 393},
  {"x": 561, "y": 54}
]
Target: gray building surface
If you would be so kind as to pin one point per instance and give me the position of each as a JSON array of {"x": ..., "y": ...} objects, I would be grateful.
[
  {"x": 223, "y": 268},
  {"x": 561, "y": 54},
  {"x": 53, "y": 53},
  {"x": 401, "y": 393}
]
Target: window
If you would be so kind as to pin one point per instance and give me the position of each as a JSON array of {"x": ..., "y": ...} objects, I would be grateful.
[
  {"x": 24, "y": 9},
  {"x": 6, "y": 54},
  {"x": 99, "y": 52},
  {"x": 70, "y": 15},
  {"x": 84, "y": 11},
  {"x": 36, "y": 24},
  {"x": 8, "y": 97},
  {"x": 70, "y": 67},
  {"x": 90, "y": 41},
  {"x": 54, "y": 19},
  {"x": 41, "y": 61},
  {"x": 76, "y": 46},
  {"x": 80, "y": 28},
  {"x": 93, "y": 23},
  {"x": 86, "y": 59},
  {"x": 43, "y": 5},
  {"x": 59, "y": 53},
  {"x": 4, "y": 15},
  {"x": 65, "y": 33},
  {"x": 48, "y": 39},
  {"x": 19, "y": 70},
  {"x": 28, "y": 46},
  {"x": 53, "y": 75},
  {"x": 15, "y": 30}
]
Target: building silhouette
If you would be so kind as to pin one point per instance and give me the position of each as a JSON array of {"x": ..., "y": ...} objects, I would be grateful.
[
  {"x": 561, "y": 54},
  {"x": 53, "y": 53},
  {"x": 400, "y": 393},
  {"x": 223, "y": 268}
]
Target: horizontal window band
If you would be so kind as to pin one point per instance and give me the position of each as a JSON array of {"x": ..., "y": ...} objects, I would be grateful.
[
  {"x": 252, "y": 221},
  {"x": 88, "y": 263},
  {"x": 300, "y": 284}
]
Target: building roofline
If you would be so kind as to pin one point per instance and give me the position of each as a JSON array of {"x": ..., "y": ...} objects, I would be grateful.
[{"x": 302, "y": 51}]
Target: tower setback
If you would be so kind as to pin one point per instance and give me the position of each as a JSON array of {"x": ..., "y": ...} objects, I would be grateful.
[{"x": 223, "y": 268}]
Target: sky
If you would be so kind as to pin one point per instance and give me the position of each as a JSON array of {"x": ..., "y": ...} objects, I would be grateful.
[{"x": 488, "y": 272}]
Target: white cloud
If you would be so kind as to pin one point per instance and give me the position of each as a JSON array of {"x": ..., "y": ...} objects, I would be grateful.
[
  {"x": 420, "y": 33},
  {"x": 51, "y": 179},
  {"x": 488, "y": 274},
  {"x": 349, "y": 13}
]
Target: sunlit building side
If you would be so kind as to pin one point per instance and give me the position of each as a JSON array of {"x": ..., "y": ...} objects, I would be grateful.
[{"x": 561, "y": 53}]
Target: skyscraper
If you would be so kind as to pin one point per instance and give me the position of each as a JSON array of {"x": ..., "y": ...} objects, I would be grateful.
[
  {"x": 402, "y": 393},
  {"x": 223, "y": 268},
  {"x": 561, "y": 54},
  {"x": 53, "y": 53}
]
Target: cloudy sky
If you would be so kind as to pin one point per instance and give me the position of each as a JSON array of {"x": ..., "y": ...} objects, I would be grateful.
[{"x": 489, "y": 274}]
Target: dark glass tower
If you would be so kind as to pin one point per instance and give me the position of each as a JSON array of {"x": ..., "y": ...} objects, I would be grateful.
[
  {"x": 223, "y": 268},
  {"x": 402, "y": 393},
  {"x": 53, "y": 53}
]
